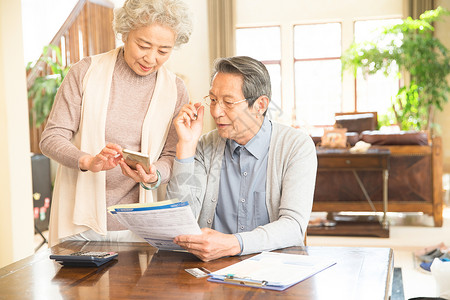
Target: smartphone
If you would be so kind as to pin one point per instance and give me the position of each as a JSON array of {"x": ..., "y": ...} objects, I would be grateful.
[
  {"x": 85, "y": 258},
  {"x": 132, "y": 158}
]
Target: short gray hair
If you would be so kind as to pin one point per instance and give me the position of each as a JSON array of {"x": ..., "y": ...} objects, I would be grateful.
[
  {"x": 138, "y": 13},
  {"x": 254, "y": 74}
]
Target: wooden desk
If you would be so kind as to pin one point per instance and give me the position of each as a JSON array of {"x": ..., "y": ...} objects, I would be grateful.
[
  {"x": 140, "y": 273},
  {"x": 332, "y": 160}
]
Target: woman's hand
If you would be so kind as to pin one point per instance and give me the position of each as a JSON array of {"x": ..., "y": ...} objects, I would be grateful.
[
  {"x": 189, "y": 125},
  {"x": 108, "y": 158},
  {"x": 139, "y": 175}
]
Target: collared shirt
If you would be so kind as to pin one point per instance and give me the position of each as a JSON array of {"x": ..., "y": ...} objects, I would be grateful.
[{"x": 241, "y": 203}]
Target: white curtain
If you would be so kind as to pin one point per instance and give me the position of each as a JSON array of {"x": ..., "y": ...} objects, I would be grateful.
[{"x": 222, "y": 26}]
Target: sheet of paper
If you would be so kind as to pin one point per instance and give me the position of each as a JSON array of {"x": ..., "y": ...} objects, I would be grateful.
[
  {"x": 277, "y": 269},
  {"x": 159, "y": 225}
]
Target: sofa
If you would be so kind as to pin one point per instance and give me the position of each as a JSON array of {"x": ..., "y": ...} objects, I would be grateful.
[{"x": 415, "y": 172}]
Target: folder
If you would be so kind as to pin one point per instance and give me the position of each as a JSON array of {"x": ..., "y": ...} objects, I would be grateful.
[{"x": 272, "y": 270}]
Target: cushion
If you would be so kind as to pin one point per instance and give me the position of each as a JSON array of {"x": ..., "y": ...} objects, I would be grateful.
[
  {"x": 352, "y": 138},
  {"x": 376, "y": 137},
  {"x": 356, "y": 122}
]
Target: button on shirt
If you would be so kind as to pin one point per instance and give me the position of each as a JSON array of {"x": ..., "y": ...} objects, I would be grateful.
[{"x": 241, "y": 203}]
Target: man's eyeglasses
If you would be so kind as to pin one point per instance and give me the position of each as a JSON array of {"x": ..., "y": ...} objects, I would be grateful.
[{"x": 222, "y": 103}]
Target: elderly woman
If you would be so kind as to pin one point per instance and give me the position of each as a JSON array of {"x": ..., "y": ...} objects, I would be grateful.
[{"x": 121, "y": 99}]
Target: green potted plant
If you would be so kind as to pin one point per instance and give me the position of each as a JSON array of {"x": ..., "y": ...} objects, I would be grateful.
[
  {"x": 414, "y": 49},
  {"x": 43, "y": 91}
]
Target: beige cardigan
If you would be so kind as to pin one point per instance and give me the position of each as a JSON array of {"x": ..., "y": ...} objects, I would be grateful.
[{"x": 79, "y": 200}]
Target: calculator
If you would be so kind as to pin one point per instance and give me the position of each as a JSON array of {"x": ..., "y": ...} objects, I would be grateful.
[{"x": 84, "y": 258}]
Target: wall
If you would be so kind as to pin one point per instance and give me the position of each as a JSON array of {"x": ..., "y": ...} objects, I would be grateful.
[
  {"x": 16, "y": 213},
  {"x": 191, "y": 61},
  {"x": 443, "y": 118},
  {"x": 40, "y": 18}
]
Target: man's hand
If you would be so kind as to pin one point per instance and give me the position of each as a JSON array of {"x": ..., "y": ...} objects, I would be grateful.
[
  {"x": 189, "y": 125},
  {"x": 107, "y": 159},
  {"x": 209, "y": 245}
]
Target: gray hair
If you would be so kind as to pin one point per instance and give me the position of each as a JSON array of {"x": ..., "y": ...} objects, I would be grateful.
[
  {"x": 254, "y": 74},
  {"x": 138, "y": 13}
]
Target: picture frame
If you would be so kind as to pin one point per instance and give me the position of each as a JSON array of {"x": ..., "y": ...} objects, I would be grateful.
[{"x": 334, "y": 138}]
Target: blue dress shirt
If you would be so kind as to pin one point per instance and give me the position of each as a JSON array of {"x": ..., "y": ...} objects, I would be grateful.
[{"x": 241, "y": 203}]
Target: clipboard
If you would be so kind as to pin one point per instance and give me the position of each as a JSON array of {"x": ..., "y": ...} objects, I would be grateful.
[
  {"x": 249, "y": 282},
  {"x": 271, "y": 270}
]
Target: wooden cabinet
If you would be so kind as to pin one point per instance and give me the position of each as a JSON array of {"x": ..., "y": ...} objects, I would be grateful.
[
  {"x": 338, "y": 165},
  {"x": 414, "y": 182}
]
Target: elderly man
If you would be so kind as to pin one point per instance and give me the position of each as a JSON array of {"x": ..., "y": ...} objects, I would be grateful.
[{"x": 251, "y": 181}]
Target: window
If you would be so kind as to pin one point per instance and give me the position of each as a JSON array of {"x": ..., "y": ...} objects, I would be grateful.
[
  {"x": 317, "y": 67},
  {"x": 375, "y": 92},
  {"x": 313, "y": 86},
  {"x": 263, "y": 44}
]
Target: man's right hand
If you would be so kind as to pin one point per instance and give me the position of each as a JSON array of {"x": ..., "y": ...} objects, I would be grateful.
[
  {"x": 209, "y": 245},
  {"x": 189, "y": 125}
]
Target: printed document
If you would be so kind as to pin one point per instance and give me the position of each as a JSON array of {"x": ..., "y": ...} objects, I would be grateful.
[
  {"x": 272, "y": 270},
  {"x": 158, "y": 223}
]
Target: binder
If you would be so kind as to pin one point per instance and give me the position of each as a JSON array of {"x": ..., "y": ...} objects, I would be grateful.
[{"x": 271, "y": 270}]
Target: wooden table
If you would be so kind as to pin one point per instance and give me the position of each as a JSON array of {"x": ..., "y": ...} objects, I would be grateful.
[
  {"x": 342, "y": 160},
  {"x": 142, "y": 273}
]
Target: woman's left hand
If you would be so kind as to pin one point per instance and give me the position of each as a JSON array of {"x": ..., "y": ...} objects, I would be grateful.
[{"x": 139, "y": 175}]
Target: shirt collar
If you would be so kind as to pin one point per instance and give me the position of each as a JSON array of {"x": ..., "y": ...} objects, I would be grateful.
[{"x": 259, "y": 144}]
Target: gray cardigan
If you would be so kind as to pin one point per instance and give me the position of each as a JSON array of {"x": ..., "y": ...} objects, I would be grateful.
[{"x": 291, "y": 177}]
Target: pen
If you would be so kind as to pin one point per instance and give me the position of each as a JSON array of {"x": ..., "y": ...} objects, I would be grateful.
[
  {"x": 195, "y": 112},
  {"x": 245, "y": 281},
  {"x": 201, "y": 103}
]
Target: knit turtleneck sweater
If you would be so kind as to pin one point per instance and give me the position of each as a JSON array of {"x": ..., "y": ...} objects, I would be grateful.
[{"x": 130, "y": 98}]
